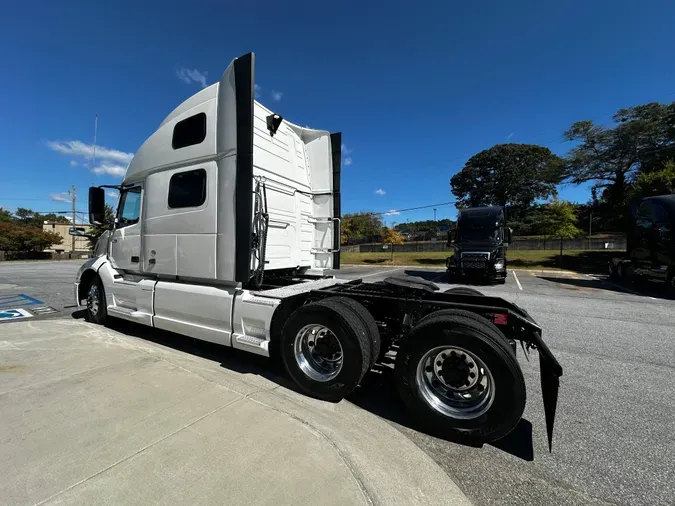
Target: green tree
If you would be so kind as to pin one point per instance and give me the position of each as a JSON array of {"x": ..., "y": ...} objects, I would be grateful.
[
  {"x": 6, "y": 216},
  {"x": 20, "y": 237},
  {"x": 659, "y": 182},
  {"x": 652, "y": 127},
  {"x": 559, "y": 220},
  {"x": 32, "y": 218},
  {"x": 360, "y": 227},
  {"x": 508, "y": 174},
  {"x": 97, "y": 230},
  {"x": 423, "y": 229},
  {"x": 613, "y": 157},
  {"x": 54, "y": 218}
]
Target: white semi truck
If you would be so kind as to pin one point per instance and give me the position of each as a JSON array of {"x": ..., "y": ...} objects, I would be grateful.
[{"x": 227, "y": 224}]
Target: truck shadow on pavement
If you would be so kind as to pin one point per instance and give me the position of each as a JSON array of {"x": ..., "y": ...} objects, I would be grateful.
[
  {"x": 376, "y": 394},
  {"x": 611, "y": 285}
]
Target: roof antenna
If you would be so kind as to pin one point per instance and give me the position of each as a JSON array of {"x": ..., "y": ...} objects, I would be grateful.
[{"x": 93, "y": 165}]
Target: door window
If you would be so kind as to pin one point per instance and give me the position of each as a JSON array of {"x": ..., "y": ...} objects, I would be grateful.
[
  {"x": 662, "y": 224},
  {"x": 644, "y": 217},
  {"x": 130, "y": 207}
]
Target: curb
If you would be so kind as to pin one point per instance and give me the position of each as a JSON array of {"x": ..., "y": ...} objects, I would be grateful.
[{"x": 387, "y": 466}]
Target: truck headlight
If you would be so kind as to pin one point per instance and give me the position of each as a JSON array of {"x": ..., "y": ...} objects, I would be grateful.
[{"x": 499, "y": 265}]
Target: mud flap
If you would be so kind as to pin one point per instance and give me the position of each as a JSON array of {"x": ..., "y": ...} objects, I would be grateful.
[
  {"x": 550, "y": 383},
  {"x": 550, "y": 371}
]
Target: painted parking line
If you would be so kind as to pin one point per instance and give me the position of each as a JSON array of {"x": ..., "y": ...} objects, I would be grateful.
[
  {"x": 515, "y": 276},
  {"x": 17, "y": 299},
  {"x": 388, "y": 271}
]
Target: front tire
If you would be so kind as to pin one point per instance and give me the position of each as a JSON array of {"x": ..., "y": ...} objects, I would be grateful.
[
  {"x": 461, "y": 380},
  {"x": 97, "y": 311},
  {"x": 326, "y": 349}
]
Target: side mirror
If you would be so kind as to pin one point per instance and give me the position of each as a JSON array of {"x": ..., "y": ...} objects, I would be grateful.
[
  {"x": 96, "y": 205},
  {"x": 77, "y": 231},
  {"x": 451, "y": 237},
  {"x": 507, "y": 234}
]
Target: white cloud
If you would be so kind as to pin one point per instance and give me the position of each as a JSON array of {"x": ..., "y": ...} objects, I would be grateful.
[
  {"x": 112, "y": 194},
  {"x": 78, "y": 148},
  {"x": 60, "y": 197},
  {"x": 192, "y": 76},
  {"x": 508, "y": 137},
  {"x": 393, "y": 212},
  {"x": 110, "y": 170},
  {"x": 276, "y": 95},
  {"x": 109, "y": 161},
  {"x": 346, "y": 152},
  {"x": 257, "y": 89},
  {"x": 380, "y": 191}
]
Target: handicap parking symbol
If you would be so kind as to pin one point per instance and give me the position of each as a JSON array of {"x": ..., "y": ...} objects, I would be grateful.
[{"x": 14, "y": 314}]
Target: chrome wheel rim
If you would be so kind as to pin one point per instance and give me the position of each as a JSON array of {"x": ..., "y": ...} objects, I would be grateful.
[
  {"x": 93, "y": 299},
  {"x": 455, "y": 383},
  {"x": 318, "y": 353}
]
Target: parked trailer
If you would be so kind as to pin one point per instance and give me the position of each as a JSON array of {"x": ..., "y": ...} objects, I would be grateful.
[{"x": 227, "y": 223}]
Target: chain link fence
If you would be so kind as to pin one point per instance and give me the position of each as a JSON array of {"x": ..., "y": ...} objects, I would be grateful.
[{"x": 608, "y": 242}]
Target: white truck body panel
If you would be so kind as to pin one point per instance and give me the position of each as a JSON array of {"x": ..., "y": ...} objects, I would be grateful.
[
  {"x": 184, "y": 268},
  {"x": 197, "y": 242}
]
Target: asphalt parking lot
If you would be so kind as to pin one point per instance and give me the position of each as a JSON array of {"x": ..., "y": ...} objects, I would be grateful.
[{"x": 615, "y": 427}]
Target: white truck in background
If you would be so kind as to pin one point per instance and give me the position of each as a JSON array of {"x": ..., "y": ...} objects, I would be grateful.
[{"x": 227, "y": 223}]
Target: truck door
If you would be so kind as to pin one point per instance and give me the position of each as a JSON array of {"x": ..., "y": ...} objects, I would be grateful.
[
  {"x": 662, "y": 240},
  {"x": 125, "y": 243},
  {"x": 641, "y": 255}
]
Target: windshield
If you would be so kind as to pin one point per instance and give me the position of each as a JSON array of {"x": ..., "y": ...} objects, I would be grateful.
[{"x": 478, "y": 233}]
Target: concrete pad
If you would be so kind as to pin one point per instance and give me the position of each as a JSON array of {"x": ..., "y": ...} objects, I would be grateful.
[{"x": 89, "y": 415}]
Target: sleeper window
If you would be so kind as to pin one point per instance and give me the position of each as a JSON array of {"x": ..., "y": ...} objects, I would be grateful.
[
  {"x": 189, "y": 132},
  {"x": 187, "y": 189}
]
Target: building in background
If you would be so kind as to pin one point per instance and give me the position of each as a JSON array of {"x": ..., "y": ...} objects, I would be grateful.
[{"x": 66, "y": 246}]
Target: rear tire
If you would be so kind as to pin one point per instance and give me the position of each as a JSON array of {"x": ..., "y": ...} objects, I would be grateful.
[
  {"x": 620, "y": 271},
  {"x": 326, "y": 349},
  {"x": 463, "y": 290},
  {"x": 480, "y": 320},
  {"x": 367, "y": 319},
  {"x": 670, "y": 282},
  {"x": 97, "y": 310},
  {"x": 472, "y": 421}
]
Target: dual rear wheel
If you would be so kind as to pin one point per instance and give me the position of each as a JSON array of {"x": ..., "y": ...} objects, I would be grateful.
[{"x": 455, "y": 371}]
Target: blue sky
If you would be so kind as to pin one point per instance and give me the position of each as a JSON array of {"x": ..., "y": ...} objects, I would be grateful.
[{"x": 415, "y": 87}]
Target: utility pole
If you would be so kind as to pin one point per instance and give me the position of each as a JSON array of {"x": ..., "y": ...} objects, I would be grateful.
[
  {"x": 590, "y": 228},
  {"x": 72, "y": 195},
  {"x": 434, "y": 214}
]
